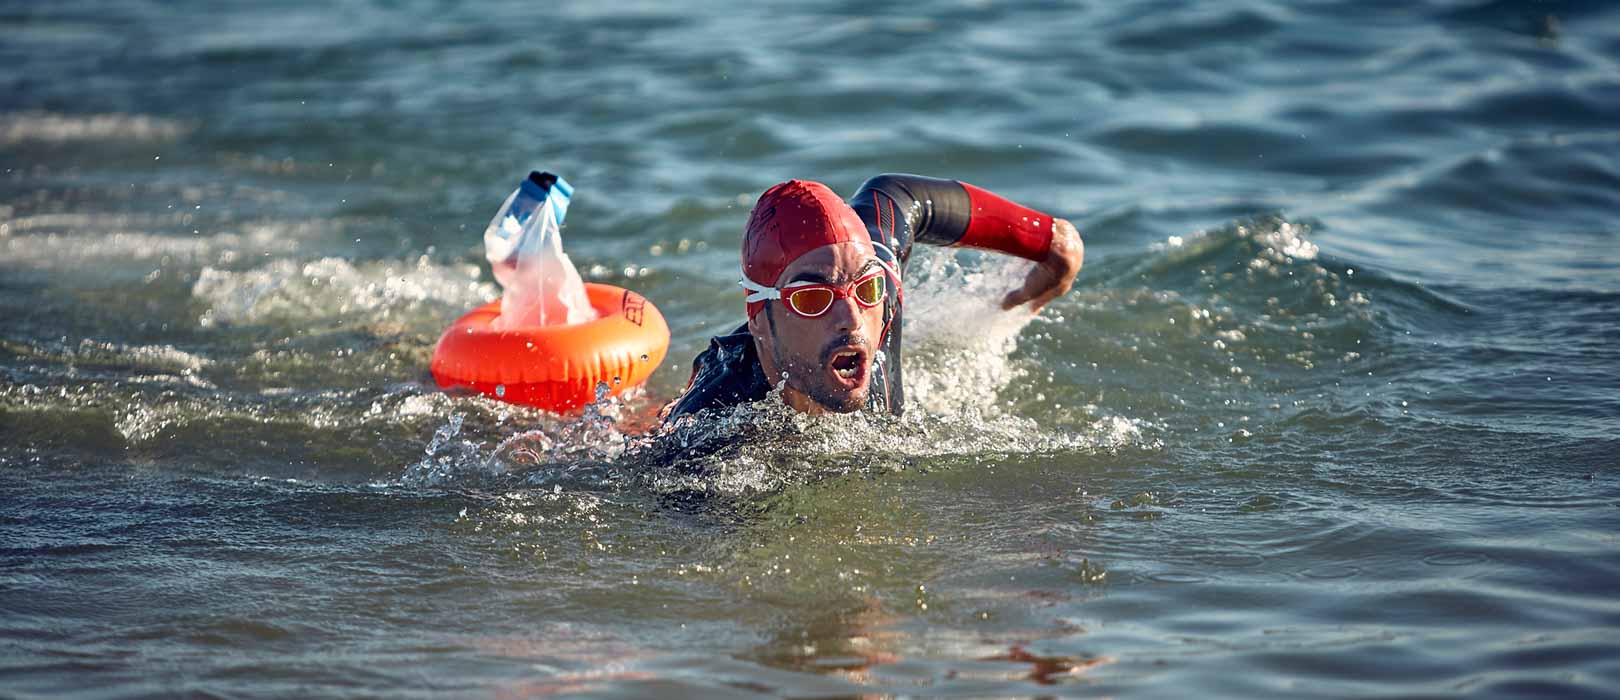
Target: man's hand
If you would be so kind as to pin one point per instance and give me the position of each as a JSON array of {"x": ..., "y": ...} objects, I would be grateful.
[{"x": 1053, "y": 276}]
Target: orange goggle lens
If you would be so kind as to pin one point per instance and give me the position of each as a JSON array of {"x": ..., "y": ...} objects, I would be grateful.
[
  {"x": 813, "y": 301},
  {"x": 869, "y": 291}
]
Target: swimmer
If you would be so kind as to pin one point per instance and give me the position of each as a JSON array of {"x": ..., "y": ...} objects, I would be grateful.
[{"x": 822, "y": 284}]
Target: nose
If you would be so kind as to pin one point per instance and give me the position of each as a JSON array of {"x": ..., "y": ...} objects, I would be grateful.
[{"x": 844, "y": 315}]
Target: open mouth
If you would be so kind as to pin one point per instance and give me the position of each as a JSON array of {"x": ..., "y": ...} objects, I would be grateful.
[{"x": 847, "y": 364}]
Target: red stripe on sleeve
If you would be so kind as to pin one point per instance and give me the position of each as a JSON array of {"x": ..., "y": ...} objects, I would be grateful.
[{"x": 996, "y": 223}]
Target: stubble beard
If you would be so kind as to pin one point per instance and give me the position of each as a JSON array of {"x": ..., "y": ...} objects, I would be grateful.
[
  {"x": 834, "y": 399},
  {"x": 831, "y": 398}
]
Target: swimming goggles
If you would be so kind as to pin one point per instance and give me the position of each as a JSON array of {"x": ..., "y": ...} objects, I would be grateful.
[{"x": 812, "y": 299}]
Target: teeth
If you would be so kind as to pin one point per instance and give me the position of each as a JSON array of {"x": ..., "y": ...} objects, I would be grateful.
[{"x": 849, "y": 358}]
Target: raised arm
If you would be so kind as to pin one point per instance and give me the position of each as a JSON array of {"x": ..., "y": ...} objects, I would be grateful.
[{"x": 900, "y": 210}]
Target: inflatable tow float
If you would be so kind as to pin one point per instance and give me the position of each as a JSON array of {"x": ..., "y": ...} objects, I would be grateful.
[
  {"x": 521, "y": 358},
  {"x": 556, "y": 368}
]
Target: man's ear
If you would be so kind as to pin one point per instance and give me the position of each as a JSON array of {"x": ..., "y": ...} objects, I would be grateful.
[
  {"x": 764, "y": 332},
  {"x": 763, "y": 329}
]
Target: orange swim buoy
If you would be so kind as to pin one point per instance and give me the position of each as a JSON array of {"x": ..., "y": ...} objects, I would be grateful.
[{"x": 556, "y": 368}]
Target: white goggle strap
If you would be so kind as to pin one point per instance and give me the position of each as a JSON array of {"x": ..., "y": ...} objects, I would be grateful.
[
  {"x": 758, "y": 292},
  {"x": 763, "y": 293}
]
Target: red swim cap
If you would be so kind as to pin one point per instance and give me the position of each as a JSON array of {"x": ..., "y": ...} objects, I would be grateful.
[{"x": 792, "y": 219}]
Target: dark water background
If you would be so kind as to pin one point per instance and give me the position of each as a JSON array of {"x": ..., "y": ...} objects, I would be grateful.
[{"x": 1333, "y": 411}]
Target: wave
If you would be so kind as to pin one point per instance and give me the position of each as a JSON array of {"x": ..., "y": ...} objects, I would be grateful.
[
  {"x": 349, "y": 342},
  {"x": 331, "y": 288},
  {"x": 70, "y": 241},
  {"x": 45, "y": 127}
]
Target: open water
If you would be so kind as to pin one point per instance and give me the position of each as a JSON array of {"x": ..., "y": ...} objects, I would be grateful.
[{"x": 1334, "y": 409}]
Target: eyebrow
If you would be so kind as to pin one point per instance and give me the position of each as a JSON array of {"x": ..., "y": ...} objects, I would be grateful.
[{"x": 818, "y": 278}]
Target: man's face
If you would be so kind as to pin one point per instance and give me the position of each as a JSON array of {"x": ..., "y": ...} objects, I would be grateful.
[{"x": 828, "y": 358}]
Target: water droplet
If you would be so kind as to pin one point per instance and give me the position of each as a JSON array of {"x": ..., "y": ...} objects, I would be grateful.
[{"x": 500, "y": 390}]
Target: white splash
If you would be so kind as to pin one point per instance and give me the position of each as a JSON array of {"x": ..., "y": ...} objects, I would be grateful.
[{"x": 958, "y": 339}]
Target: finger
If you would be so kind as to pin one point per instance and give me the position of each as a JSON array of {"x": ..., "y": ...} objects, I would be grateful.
[
  {"x": 1035, "y": 285},
  {"x": 1045, "y": 298},
  {"x": 1014, "y": 298}
]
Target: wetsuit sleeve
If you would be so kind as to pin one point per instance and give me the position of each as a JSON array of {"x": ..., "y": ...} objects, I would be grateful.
[{"x": 900, "y": 210}]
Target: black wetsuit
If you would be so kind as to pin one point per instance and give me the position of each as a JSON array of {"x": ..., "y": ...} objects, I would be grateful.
[{"x": 898, "y": 210}]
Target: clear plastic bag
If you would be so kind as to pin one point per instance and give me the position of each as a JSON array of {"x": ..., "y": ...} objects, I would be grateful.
[{"x": 523, "y": 243}]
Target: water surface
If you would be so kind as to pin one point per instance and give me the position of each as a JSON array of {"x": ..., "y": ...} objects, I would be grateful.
[{"x": 1332, "y": 411}]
